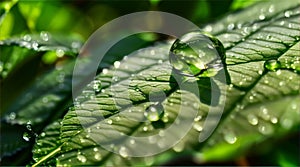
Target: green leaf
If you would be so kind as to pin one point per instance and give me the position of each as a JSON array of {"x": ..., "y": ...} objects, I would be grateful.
[
  {"x": 8, "y": 132},
  {"x": 261, "y": 104},
  {"x": 21, "y": 60}
]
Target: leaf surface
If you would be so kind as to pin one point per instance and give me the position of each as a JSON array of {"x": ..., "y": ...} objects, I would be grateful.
[{"x": 260, "y": 104}]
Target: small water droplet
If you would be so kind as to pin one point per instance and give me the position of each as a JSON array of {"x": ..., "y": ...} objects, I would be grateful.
[
  {"x": 96, "y": 85},
  {"x": 197, "y": 54},
  {"x": 287, "y": 13},
  {"x": 145, "y": 128},
  {"x": 109, "y": 121},
  {"x": 132, "y": 141},
  {"x": 97, "y": 156},
  {"x": 230, "y": 137},
  {"x": 27, "y": 37},
  {"x": 117, "y": 64},
  {"x": 123, "y": 152},
  {"x": 274, "y": 120},
  {"x": 265, "y": 129},
  {"x": 105, "y": 71},
  {"x": 296, "y": 66},
  {"x": 44, "y": 35},
  {"x": 76, "y": 45},
  {"x": 81, "y": 158},
  {"x": 198, "y": 118},
  {"x": 261, "y": 17},
  {"x": 281, "y": 83},
  {"x": 153, "y": 113},
  {"x": 12, "y": 116},
  {"x": 60, "y": 53},
  {"x": 179, "y": 147},
  {"x": 26, "y": 136},
  {"x": 272, "y": 65},
  {"x": 230, "y": 26},
  {"x": 43, "y": 134},
  {"x": 35, "y": 45},
  {"x": 196, "y": 105},
  {"x": 286, "y": 123},
  {"x": 252, "y": 119},
  {"x": 197, "y": 126},
  {"x": 260, "y": 72},
  {"x": 271, "y": 9}
]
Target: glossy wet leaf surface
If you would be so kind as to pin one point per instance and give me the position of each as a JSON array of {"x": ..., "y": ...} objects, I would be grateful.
[{"x": 262, "y": 102}]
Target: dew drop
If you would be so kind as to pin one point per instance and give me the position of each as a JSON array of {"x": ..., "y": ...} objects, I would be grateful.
[
  {"x": 12, "y": 116},
  {"x": 230, "y": 137},
  {"x": 272, "y": 65},
  {"x": 60, "y": 53},
  {"x": 97, "y": 156},
  {"x": 35, "y": 45},
  {"x": 96, "y": 85},
  {"x": 296, "y": 66},
  {"x": 230, "y": 26},
  {"x": 252, "y": 119},
  {"x": 44, "y": 35},
  {"x": 109, "y": 121},
  {"x": 154, "y": 112},
  {"x": 274, "y": 120},
  {"x": 265, "y": 129},
  {"x": 81, "y": 158},
  {"x": 261, "y": 17},
  {"x": 179, "y": 147},
  {"x": 286, "y": 123},
  {"x": 27, "y": 37},
  {"x": 123, "y": 152},
  {"x": 198, "y": 118},
  {"x": 43, "y": 134},
  {"x": 145, "y": 128},
  {"x": 132, "y": 141},
  {"x": 287, "y": 13},
  {"x": 26, "y": 136},
  {"x": 117, "y": 64},
  {"x": 197, "y": 54},
  {"x": 105, "y": 71},
  {"x": 197, "y": 126}
]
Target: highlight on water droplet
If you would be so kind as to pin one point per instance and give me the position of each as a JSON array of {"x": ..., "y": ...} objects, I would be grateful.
[
  {"x": 197, "y": 54},
  {"x": 96, "y": 85},
  {"x": 154, "y": 112},
  {"x": 272, "y": 65},
  {"x": 81, "y": 158},
  {"x": 123, "y": 152},
  {"x": 26, "y": 136},
  {"x": 230, "y": 137}
]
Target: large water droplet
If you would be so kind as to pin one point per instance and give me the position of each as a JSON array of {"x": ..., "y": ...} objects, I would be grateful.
[
  {"x": 197, "y": 54},
  {"x": 272, "y": 65},
  {"x": 153, "y": 113}
]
